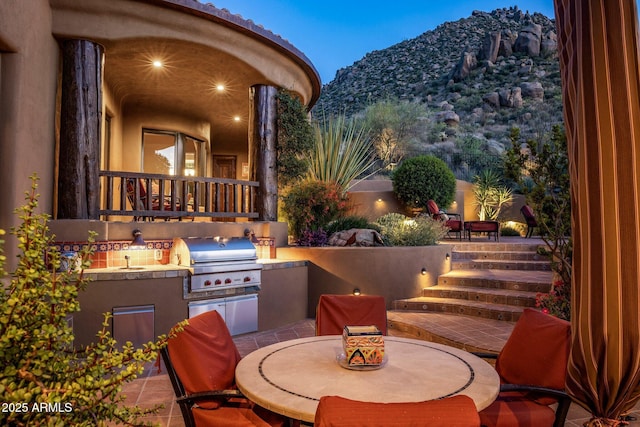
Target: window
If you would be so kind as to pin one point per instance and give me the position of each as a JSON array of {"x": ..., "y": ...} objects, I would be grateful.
[{"x": 172, "y": 153}]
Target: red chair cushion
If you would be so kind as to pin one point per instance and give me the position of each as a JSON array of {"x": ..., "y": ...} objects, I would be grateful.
[
  {"x": 528, "y": 214},
  {"x": 454, "y": 224},
  {"x": 204, "y": 355},
  {"x": 509, "y": 411},
  {"x": 227, "y": 417},
  {"x": 537, "y": 352},
  {"x": 334, "y": 312},
  {"x": 433, "y": 209},
  {"x": 456, "y": 411}
]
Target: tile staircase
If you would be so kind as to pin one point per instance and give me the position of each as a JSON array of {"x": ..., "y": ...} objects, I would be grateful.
[{"x": 491, "y": 280}]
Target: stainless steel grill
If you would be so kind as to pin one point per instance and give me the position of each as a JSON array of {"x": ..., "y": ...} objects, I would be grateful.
[
  {"x": 225, "y": 276},
  {"x": 218, "y": 263}
]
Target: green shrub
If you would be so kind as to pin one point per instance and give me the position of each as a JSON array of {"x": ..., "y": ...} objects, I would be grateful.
[
  {"x": 349, "y": 222},
  {"x": 422, "y": 178},
  {"x": 39, "y": 368},
  {"x": 509, "y": 231},
  {"x": 295, "y": 138},
  {"x": 399, "y": 230},
  {"x": 312, "y": 205}
]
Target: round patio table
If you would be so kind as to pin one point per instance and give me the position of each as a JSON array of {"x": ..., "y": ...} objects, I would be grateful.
[{"x": 290, "y": 377}]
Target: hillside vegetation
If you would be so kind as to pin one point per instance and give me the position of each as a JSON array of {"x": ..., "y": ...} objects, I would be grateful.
[{"x": 473, "y": 80}]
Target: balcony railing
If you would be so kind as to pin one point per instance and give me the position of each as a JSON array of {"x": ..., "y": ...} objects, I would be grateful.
[{"x": 149, "y": 196}]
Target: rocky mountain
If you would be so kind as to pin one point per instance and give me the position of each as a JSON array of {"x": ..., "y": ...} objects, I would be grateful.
[{"x": 479, "y": 75}]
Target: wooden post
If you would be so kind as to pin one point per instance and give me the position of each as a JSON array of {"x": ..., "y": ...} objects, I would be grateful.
[
  {"x": 263, "y": 150},
  {"x": 80, "y": 117}
]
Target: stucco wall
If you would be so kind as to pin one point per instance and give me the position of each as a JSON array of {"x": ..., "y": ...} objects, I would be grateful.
[
  {"x": 393, "y": 272},
  {"x": 283, "y": 298},
  {"x": 135, "y": 120},
  {"x": 28, "y": 71}
]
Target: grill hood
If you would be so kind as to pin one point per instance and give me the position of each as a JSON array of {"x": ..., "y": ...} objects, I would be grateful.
[{"x": 193, "y": 251}]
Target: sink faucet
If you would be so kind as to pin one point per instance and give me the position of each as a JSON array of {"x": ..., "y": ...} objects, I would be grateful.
[{"x": 128, "y": 259}]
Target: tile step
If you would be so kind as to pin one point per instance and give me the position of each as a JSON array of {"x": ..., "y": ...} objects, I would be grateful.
[
  {"x": 491, "y": 246},
  {"x": 484, "y": 295},
  {"x": 460, "y": 307},
  {"x": 501, "y": 264},
  {"x": 528, "y": 281},
  {"x": 505, "y": 255}
]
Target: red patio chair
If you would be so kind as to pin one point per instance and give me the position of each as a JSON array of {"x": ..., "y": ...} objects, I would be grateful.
[
  {"x": 529, "y": 218},
  {"x": 455, "y": 411},
  {"x": 452, "y": 220},
  {"x": 201, "y": 362},
  {"x": 532, "y": 367},
  {"x": 334, "y": 312}
]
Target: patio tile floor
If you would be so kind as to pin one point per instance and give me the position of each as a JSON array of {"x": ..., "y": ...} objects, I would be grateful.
[{"x": 154, "y": 387}]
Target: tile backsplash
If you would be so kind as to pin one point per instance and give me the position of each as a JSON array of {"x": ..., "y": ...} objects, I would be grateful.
[{"x": 112, "y": 253}]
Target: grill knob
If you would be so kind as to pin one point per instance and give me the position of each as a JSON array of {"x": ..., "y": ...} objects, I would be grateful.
[
  {"x": 247, "y": 279},
  {"x": 218, "y": 282},
  {"x": 227, "y": 281},
  {"x": 207, "y": 282}
]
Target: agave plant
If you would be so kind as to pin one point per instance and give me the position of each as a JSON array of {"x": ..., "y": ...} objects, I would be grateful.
[{"x": 343, "y": 151}]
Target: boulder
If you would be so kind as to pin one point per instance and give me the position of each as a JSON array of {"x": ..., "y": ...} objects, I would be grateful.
[
  {"x": 492, "y": 98},
  {"x": 529, "y": 39},
  {"x": 356, "y": 237},
  {"x": 464, "y": 66},
  {"x": 507, "y": 39},
  {"x": 510, "y": 97},
  {"x": 532, "y": 90},
  {"x": 449, "y": 117},
  {"x": 490, "y": 46}
]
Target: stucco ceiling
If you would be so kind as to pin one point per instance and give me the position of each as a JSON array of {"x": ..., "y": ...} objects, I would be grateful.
[{"x": 185, "y": 84}]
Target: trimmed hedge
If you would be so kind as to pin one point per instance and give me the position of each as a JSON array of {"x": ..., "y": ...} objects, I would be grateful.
[{"x": 419, "y": 179}]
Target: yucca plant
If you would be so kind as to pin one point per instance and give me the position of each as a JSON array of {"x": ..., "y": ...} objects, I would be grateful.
[
  {"x": 490, "y": 195},
  {"x": 343, "y": 151}
]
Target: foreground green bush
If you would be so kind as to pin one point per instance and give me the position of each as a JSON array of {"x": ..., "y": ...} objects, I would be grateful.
[
  {"x": 44, "y": 381},
  {"x": 400, "y": 230}
]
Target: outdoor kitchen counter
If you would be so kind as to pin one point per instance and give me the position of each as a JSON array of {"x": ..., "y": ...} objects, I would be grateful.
[
  {"x": 141, "y": 272},
  {"x": 274, "y": 264}
]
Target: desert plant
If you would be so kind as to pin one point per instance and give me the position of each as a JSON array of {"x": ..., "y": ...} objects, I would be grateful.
[
  {"x": 44, "y": 381},
  {"x": 311, "y": 205},
  {"x": 557, "y": 301},
  {"x": 419, "y": 179},
  {"x": 295, "y": 138},
  {"x": 393, "y": 124},
  {"x": 342, "y": 152},
  {"x": 349, "y": 222},
  {"x": 547, "y": 168},
  {"x": 490, "y": 196},
  {"x": 399, "y": 230}
]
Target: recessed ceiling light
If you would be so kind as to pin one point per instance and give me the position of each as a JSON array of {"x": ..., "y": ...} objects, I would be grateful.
[
  {"x": 236, "y": 118},
  {"x": 220, "y": 87},
  {"x": 157, "y": 63}
]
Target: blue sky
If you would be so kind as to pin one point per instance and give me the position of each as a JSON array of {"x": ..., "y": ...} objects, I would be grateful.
[{"x": 336, "y": 33}]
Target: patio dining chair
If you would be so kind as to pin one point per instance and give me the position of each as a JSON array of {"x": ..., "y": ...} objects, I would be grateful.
[
  {"x": 529, "y": 218},
  {"x": 453, "y": 221},
  {"x": 334, "y": 312},
  {"x": 137, "y": 195},
  {"x": 455, "y": 411},
  {"x": 201, "y": 362},
  {"x": 532, "y": 367}
]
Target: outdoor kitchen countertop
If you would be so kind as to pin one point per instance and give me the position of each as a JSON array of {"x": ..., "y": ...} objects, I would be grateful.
[
  {"x": 158, "y": 271},
  {"x": 274, "y": 264}
]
